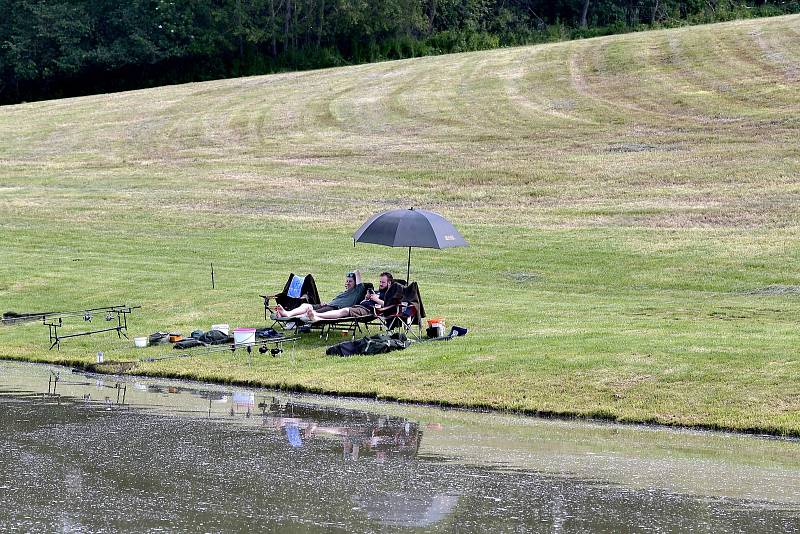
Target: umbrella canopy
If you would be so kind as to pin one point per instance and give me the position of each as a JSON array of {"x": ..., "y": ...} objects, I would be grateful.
[{"x": 409, "y": 228}]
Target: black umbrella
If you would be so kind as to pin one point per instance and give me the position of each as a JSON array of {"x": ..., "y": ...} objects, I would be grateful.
[{"x": 409, "y": 228}]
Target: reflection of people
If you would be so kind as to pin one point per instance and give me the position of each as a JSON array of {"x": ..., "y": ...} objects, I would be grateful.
[
  {"x": 353, "y": 292},
  {"x": 350, "y": 448},
  {"x": 385, "y": 438},
  {"x": 362, "y": 309},
  {"x": 380, "y": 437}
]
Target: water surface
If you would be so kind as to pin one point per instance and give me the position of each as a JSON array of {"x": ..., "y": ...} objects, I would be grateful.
[{"x": 98, "y": 453}]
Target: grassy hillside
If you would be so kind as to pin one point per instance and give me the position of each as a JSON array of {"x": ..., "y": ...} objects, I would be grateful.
[{"x": 631, "y": 203}]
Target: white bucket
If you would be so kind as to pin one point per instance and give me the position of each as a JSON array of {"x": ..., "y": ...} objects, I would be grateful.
[
  {"x": 221, "y": 327},
  {"x": 244, "y": 336},
  {"x": 140, "y": 342}
]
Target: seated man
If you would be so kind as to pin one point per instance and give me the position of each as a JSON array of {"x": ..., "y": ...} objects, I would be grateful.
[
  {"x": 353, "y": 292},
  {"x": 362, "y": 309}
]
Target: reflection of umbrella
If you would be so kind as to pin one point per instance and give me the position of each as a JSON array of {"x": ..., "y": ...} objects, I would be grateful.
[
  {"x": 407, "y": 510},
  {"x": 409, "y": 228}
]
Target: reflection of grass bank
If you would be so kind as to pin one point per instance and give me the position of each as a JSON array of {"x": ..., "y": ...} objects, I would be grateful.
[
  {"x": 685, "y": 462},
  {"x": 603, "y": 279}
]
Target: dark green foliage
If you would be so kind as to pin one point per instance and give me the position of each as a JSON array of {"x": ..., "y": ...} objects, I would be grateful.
[{"x": 57, "y": 48}]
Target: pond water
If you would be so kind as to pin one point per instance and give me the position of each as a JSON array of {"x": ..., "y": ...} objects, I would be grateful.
[{"x": 104, "y": 453}]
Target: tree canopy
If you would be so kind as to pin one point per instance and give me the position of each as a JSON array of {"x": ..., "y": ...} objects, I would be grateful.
[{"x": 58, "y": 48}]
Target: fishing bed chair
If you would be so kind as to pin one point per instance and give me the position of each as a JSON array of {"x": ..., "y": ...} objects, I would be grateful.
[
  {"x": 346, "y": 325},
  {"x": 298, "y": 290},
  {"x": 403, "y": 311}
]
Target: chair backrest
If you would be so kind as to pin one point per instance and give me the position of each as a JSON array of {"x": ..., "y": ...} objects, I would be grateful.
[
  {"x": 412, "y": 297},
  {"x": 309, "y": 290},
  {"x": 403, "y": 303},
  {"x": 394, "y": 295},
  {"x": 308, "y": 293}
]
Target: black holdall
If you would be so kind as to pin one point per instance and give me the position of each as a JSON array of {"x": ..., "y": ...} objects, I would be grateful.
[
  {"x": 455, "y": 331},
  {"x": 377, "y": 344}
]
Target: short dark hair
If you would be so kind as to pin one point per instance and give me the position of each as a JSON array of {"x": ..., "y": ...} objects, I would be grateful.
[{"x": 388, "y": 276}]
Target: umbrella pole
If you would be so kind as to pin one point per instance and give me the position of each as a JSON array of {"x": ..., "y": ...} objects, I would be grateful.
[{"x": 408, "y": 271}]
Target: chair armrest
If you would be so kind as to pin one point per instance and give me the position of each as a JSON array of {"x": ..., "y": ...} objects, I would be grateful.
[
  {"x": 384, "y": 310},
  {"x": 401, "y": 310}
]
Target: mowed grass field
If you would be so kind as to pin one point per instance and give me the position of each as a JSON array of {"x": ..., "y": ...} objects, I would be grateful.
[{"x": 631, "y": 203}]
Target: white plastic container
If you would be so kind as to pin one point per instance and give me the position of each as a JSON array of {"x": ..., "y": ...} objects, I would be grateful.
[
  {"x": 244, "y": 336},
  {"x": 224, "y": 328},
  {"x": 140, "y": 342}
]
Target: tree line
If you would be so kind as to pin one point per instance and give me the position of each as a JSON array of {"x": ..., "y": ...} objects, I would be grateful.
[{"x": 57, "y": 48}]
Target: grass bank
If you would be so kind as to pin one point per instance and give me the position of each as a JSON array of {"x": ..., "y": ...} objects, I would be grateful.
[{"x": 631, "y": 204}]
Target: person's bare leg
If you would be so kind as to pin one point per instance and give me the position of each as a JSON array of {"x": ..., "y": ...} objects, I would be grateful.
[
  {"x": 300, "y": 310},
  {"x": 333, "y": 314}
]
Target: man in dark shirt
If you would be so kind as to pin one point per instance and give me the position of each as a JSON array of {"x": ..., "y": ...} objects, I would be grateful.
[{"x": 362, "y": 309}]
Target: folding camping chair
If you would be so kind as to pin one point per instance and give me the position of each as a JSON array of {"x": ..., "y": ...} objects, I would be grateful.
[
  {"x": 403, "y": 309},
  {"x": 297, "y": 291}
]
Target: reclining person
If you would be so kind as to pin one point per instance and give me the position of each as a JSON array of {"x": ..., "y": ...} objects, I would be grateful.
[
  {"x": 354, "y": 291},
  {"x": 362, "y": 309}
]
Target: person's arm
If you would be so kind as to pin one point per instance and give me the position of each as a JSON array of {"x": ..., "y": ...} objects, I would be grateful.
[
  {"x": 357, "y": 274},
  {"x": 374, "y": 297}
]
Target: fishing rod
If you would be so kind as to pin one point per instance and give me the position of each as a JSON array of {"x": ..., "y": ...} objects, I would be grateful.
[
  {"x": 89, "y": 313},
  {"x": 55, "y": 321},
  {"x": 263, "y": 348},
  {"x": 11, "y": 317}
]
